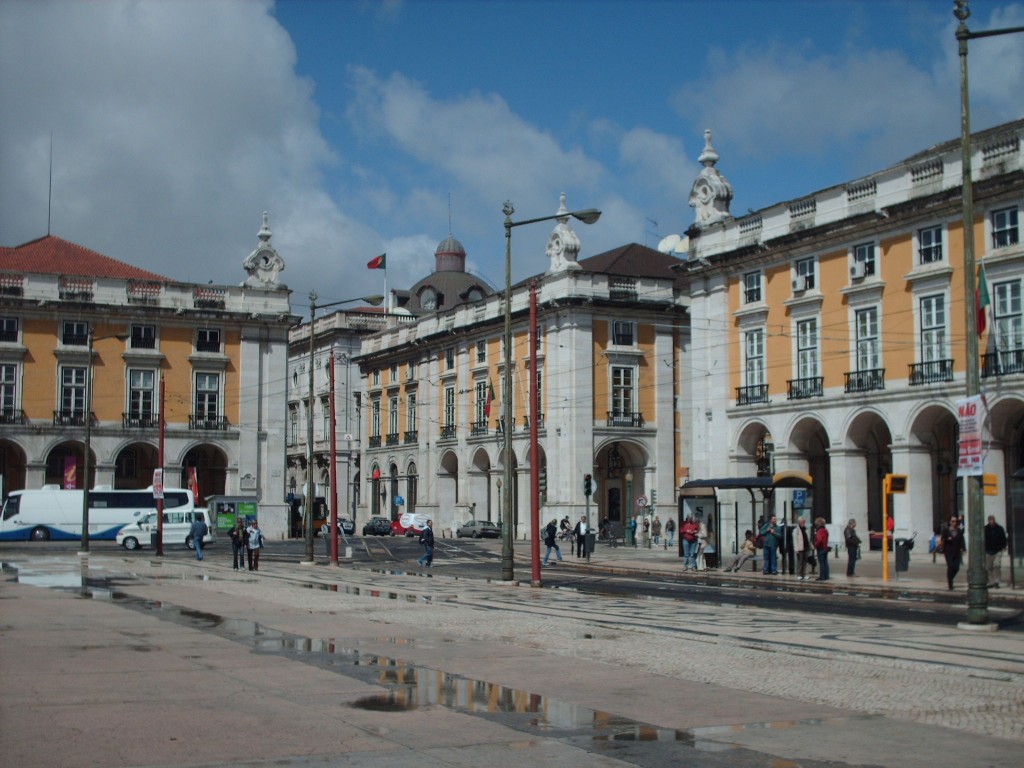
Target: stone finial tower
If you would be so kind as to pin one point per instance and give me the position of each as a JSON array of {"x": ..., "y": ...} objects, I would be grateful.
[{"x": 711, "y": 193}]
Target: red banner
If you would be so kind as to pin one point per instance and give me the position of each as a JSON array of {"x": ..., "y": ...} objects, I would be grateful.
[
  {"x": 70, "y": 472},
  {"x": 193, "y": 484}
]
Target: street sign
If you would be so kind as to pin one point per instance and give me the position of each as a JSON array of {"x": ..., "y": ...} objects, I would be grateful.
[
  {"x": 641, "y": 501},
  {"x": 399, "y": 501},
  {"x": 158, "y": 483}
]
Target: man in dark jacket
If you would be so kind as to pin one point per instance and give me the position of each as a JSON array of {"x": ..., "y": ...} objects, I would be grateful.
[
  {"x": 952, "y": 549},
  {"x": 427, "y": 540},
  {"x": 196, "y": 533},
  {"x": 995, "y": 543},
  {"x": 772, "y": 536}
]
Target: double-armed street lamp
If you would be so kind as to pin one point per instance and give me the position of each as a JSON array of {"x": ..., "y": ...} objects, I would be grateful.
[
  {"x": 90, "y": 340},
  {"x": 374, "y": 300},
  {"x": 587, "y": 216},
  {"x": 977, "y": 578}
]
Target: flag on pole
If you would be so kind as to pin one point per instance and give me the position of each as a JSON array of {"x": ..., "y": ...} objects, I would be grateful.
[
  {"x": 982, "y": 300},
  {"x": 70, "y": 472},
  {"x": 193, "y": 484},
  {"x": 489, "y": 400},
  {"x": 378, "y": 262}
]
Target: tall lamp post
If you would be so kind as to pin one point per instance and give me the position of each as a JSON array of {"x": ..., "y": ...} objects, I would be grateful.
[
  {"x": 977, "y": 581},
  {"x": 307, "y": 517},
  {"x": 587, "y": 216},
  {"x": 90, "y": 340}
]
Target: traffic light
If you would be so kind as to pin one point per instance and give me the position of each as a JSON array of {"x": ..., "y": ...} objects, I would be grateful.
[
  {"x": 542, "y": 483},
  {"x": 654, "y": 496},
  {"x": 588, "y": 485}
]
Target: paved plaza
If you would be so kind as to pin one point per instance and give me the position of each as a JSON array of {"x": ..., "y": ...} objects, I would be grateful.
[{"x": 180, "y": 663}]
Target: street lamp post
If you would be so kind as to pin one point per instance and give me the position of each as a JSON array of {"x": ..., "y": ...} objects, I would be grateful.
[
  {"x": 587, "y": 216},
  {"x": 977, "y": 581},
  {"x": 90, "y": 340},
  {"x": 374, "y": 300},
  {"x": 630, "y": 536}
]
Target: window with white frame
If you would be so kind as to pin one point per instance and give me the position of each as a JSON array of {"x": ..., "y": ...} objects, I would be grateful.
[
  {"x": 8, "y": 329},
  {"x": 449, "y": 358},
  {"x": 868, "y": 350},
  {"x": 804, "y": 275},
  {"x": 143, "y": 337},
  {"x": 375, "y": 418},
  {"x": 623, "y": 333},
  {"x": 539, "y": 381},
  {"x": 753, "y": 367},
  {"x": 864, "y": 255},
  {"x": 393, "y": 415},
  {"x": 293, "y": 425},
  {"x": 481, "y": 351},
  {"x": 410, "y": 412},
  {"x": 393, "y": 373},
  {"x": 376, "y": 377},
  {"x": 74, "y": 333},
  {"x": 933, "y": 328},
  {"x": 1008, "y": 316},
  {"x": 208, "y": 340},
  {"x": 141, "y": 393},
  {"x": 929, "y": 245},
  {"x": 410, "y": 371},
  {"x": 207, "y": 395},
  {"x": 449, "y": 406},
  {"x": 8, "y": 389},
  {"x": 1005, "y": 231},
  {"x": 751, "y": 287},
  {"x": 807, "y": 348},
  {"x": 481, "y": 404},
  {"x": 623, "y": 390},
  {"x": 325, "y": 417},
  {"x": 72, "y": 390}
]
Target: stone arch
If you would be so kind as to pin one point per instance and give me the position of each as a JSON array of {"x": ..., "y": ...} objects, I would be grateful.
[
  {"x": 479, "y": 480},
  {"x": 620, "y": 473},
  {"x": 868, "y": 457},
  {"x": 13, "y": 462},
  {"x": 211, "y": 466},
  {"x": 808, "y": 436}
]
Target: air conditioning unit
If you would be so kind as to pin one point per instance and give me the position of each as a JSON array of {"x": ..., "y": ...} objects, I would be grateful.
[
  {"x": 857, "y": 270},
  {"x": 799, "y": 284}
]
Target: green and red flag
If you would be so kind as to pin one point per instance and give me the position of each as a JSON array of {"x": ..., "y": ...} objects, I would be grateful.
[
  {"x": 378, "y": 262},
  {"x": 982, "y": 300},
  {"x": 489, "y": 400}
]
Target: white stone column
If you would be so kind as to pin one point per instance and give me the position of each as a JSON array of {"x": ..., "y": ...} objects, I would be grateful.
[
  {"x": 848, "y": 470},
  {"x": 912, "y": 511}
]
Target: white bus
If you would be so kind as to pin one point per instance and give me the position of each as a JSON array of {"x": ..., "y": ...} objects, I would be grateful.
[{"x": 53, "y": 513}]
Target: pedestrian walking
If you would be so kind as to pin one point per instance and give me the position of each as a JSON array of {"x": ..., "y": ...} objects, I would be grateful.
[
  {"x": 198, "y": 530},
  {"x": 821, "y": 548},
  {"x": 580, "y": 532},
  {"x": 801, "y": 548},
  {"x": 427, "y": 542},
  {"x": 747, "y": 552},
  {"x": 852, "y": 547},
  {"x": 770, "y": 532},
  {"x": 632, "y": 531},
  {"x": 995, "y": 543},
  {"x": 688, "y": 533},
  {"x": 670, "y": 530},
  {"x": 550, "y": 541},
  {"x": 952, "y": 544},
  {"x": 238, "y": 537},
  {"x": 254, "y": 545},
  {"x": 656, "y": 530}
]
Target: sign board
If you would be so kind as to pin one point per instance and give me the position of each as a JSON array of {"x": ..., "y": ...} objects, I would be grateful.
[
  {"x": 897, "y": 483},
  {"x": 399, "y": 501},
  {"x": 158, "y": 483},
  {"x": 971, "y": 416},
  {"x": 641, "y": 501},
  {"x": 799, "y": 498},
  {"x": 990, "y": 484}
]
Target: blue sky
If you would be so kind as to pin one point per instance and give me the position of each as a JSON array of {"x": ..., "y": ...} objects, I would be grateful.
[{"x": 365, "y": 127}]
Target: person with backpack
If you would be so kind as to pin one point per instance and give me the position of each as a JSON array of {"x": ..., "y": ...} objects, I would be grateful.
[
  {"x": 821, "y": 547},
  {"x": 550, "y": 535},
  {"x": 852, "y": 547},
  {"x": 771, "y": 547},
  {"x": 427, "y": 542},
  {"x": 198, "y": 530},
  {"x": 253, "y": 545}
]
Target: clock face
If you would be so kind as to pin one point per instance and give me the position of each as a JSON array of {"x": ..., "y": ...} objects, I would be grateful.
[{"x": 428, "y": 299}]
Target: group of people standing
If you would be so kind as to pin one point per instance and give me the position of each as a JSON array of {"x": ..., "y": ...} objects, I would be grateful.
[
  {"x": 695, "y": 537},
  {"x": 810, "y": 548},
  {"x": 246, "y": 542}
]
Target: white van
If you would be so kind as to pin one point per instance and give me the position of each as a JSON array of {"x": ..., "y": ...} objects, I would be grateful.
[{"x": 177, "y": 529}]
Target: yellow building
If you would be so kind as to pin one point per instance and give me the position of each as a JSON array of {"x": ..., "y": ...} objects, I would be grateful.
[{"x": 207, "y": 359}]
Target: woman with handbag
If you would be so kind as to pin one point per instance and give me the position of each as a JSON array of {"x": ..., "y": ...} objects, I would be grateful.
[{"x": 852, "y": 547}]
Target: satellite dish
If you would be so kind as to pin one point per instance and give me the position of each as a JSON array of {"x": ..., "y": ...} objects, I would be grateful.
[
  {"x": 683, "y": 246},
  {"x": 668, "y": 244}
]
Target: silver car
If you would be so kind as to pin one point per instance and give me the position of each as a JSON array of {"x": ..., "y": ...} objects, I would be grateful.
[{"x": 478, "y": 528}]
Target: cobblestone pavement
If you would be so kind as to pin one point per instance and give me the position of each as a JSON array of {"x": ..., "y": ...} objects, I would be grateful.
[{"x": 808, "y": 687}]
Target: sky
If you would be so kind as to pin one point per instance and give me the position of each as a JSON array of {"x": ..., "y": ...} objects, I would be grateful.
[{"x": 382, "y": 127}]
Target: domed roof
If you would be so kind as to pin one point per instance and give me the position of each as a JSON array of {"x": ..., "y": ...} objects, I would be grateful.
[
  {"x": 450, "y": 256},
  {"x": 450, "y": 246}
]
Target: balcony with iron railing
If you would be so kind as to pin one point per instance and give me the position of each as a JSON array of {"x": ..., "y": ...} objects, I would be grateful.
[
  {"x": 214, "y": 423},
  {"x": 499, "y": 423},
  {"x": 139, "y": 420},
  {"x": 9, "y": 335},
  {"x": 755, "y": 393},
  {"x": 802, "y": 389},
  {"x": 13, "y": 416},
  {"x": 374, "y": 441},
  {"x": 931, "y": 372},
  {"x": 1005, "y": 362},
  {"x": 75, "y": 339},
  {"x": 448, "y": 432},
  {"x": 391, "y": 438},
  {"x": 625, "y": 419},
  {"x": 869, "y": 380},
  {"x": 207, "y": 345},
  {"x": 412, "y": 436},
  {"x": 540, "y": 421},
  {"x": 70, "y": 418},
  {"x": 478, "y": 428}
]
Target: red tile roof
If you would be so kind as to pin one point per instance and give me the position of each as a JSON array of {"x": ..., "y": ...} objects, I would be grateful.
[{"x": 54, "y": 256}]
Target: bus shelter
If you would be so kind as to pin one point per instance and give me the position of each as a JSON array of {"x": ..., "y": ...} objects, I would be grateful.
[{"x": 700, "y": 499}]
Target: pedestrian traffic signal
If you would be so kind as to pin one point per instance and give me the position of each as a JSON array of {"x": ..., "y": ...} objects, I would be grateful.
[
  {"x": 654, "y": 496},
  {"x": 588, "y": 485}
]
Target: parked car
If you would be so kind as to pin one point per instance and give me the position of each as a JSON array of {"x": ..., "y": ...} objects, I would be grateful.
[
  {"x": 478, "y": 528},
  {"x": 346, "y": 526},
  {"x": 409, "y": 525},
  {"x": 177, "y": 530},
  {"x": 377, "y": 526}
]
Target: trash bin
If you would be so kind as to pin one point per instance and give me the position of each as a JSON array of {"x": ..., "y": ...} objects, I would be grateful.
[
  {"x": 590, "y": 543},
  {"x": 154, "y": 540},
  {"x": 903, "y": 547}
]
